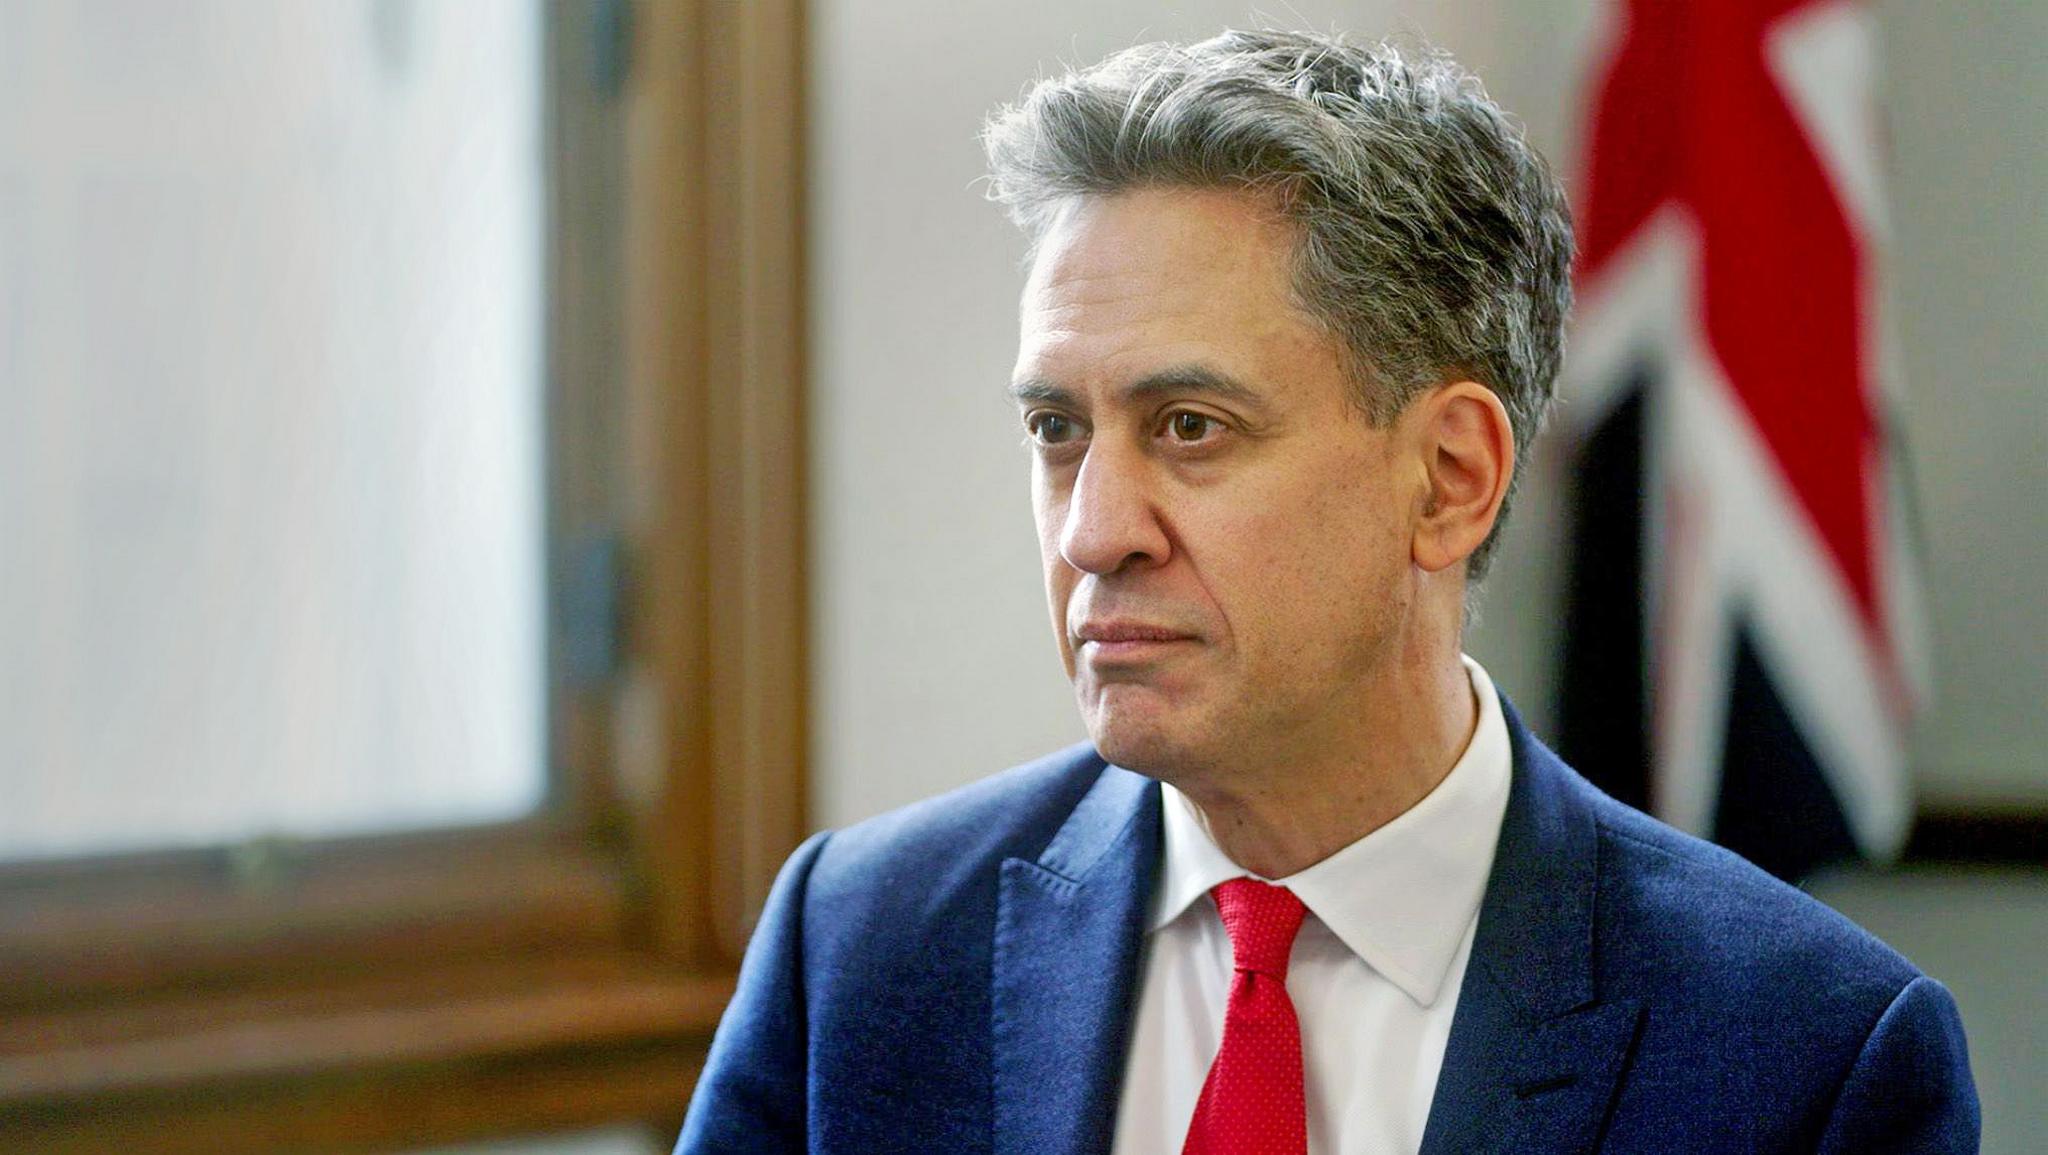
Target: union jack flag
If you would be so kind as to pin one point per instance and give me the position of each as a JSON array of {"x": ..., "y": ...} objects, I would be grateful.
[{"x": 1743, "y": 648}]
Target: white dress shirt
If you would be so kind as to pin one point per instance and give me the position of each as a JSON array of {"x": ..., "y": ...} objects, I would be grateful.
[{"x": 1374, "y": 975}]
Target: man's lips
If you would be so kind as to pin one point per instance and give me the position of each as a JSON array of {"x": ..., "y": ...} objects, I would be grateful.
[{"x": 1121, "y": 638}]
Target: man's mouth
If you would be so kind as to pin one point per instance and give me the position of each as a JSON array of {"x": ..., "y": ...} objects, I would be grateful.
[{"x": 1119, "y": 639}]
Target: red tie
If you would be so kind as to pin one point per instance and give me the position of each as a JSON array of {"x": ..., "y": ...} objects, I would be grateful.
[{"x": 1252, "y": 1103}]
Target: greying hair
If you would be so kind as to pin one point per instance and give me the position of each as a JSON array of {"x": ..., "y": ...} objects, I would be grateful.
[{"x": 1435, "y": 243}]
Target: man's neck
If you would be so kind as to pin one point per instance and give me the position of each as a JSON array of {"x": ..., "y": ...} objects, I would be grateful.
[{"x": 1309, "y": 803}]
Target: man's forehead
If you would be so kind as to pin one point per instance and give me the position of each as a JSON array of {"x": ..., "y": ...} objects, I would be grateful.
[
  {"x": 1138, "y": 283},
  {"x": 1098, "y": 247}
]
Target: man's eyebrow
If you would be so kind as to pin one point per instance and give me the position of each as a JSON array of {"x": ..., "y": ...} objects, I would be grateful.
[
  {"x": 1177, "y": 380},
  {"x": 1196, "y": 379},
  {"x": 1039, "y": 391}
]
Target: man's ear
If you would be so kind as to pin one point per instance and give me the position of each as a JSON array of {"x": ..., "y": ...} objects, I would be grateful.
[{"x": 1468, "y": 447}]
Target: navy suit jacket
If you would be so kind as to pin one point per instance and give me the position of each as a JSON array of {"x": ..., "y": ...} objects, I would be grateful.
[{"x": 959, "y": 977}]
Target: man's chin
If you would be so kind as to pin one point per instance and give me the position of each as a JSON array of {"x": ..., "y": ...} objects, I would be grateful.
[
  {"x": 1154, "y": 751},
  {"x": 1142, "y": 728}
]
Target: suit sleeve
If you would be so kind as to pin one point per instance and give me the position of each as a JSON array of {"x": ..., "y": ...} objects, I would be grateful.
[
  {"x": 751, "y": 1096},
  {"x": 1910, "y": 1090}
]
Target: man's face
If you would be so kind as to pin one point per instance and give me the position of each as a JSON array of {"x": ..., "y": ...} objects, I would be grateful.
[{"x": 1226, "y": 539}]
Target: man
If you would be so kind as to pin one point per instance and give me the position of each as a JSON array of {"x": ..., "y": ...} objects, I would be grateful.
[{"x": 1294, "y": 313}]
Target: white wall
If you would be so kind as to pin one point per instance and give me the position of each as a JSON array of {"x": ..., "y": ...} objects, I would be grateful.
[{"x": 1969, "y": 182}]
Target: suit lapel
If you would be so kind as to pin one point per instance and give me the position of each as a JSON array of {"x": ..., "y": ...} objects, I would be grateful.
[
  {"x": 1069, "y": 930},
  {"x": 1534, "y": 1054}
]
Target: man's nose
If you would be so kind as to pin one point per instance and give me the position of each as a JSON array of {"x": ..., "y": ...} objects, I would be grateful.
[{"x": 1112, "y": 519}]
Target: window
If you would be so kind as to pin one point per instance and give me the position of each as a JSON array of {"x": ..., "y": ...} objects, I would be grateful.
[
  {"x": 276, "y": 439},
  {"x": 548, "y": 953}
]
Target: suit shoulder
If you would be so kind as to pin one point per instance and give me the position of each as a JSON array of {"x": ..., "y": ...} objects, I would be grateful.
[
  {"x": 1731, "y": 927},
  {"x": 1014, "y": 812}
]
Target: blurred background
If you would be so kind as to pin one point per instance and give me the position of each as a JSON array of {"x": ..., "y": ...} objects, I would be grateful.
[{"x": 482, "y": 481}]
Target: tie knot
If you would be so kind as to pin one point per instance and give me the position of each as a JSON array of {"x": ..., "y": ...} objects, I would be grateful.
[{"x": 1261, "y": 920}]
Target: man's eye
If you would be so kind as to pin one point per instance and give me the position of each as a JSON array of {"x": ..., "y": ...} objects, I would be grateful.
[
  {"x": 1050, "y": 428},
  {"x": 1187, "y": 425}
]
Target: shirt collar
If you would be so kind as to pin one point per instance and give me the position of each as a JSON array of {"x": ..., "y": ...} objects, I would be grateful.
[{"x": 1402, "y": 897}]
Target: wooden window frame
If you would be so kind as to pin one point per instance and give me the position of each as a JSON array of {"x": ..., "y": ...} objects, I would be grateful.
[{"x": 567, "y": 970}]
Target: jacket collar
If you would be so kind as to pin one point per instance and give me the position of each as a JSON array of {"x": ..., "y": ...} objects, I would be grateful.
[
  {"x": 1069, "y": 928},
  {"x": 1534, "y": 1054}
]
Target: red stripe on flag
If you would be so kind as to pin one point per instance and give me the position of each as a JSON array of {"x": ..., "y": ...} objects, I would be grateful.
[{"x": 1689, "y": 112}]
